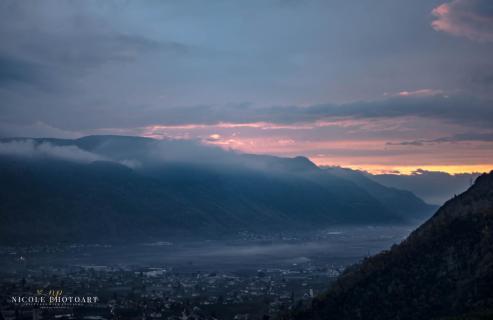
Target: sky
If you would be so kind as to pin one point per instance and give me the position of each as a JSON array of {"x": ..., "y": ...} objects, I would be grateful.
[{"x": 382, "y": 86}]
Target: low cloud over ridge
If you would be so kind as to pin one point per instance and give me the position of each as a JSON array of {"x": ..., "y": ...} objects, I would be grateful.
[
  {"x": 32, "y": 149},
  {"x": 29, "y": 148}
]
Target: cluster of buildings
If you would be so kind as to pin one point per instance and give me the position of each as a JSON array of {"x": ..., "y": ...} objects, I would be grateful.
[{"x": 127, "y": 292}]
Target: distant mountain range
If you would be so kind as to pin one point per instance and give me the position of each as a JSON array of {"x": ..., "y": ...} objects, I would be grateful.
[
  {"x": 443, "y": 270},
  {"x": 118, "y": 188},
  {"x": 432, "y": 186},
  {"x": 401, "y": 202}
]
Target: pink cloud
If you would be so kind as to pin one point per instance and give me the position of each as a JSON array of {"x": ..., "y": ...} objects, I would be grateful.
[
  {"x": 472, "y": 19},
  {"x": 370, "y": 144}
]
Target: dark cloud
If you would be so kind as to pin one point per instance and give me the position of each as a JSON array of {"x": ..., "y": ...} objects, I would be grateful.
[
  {"x": 92, "y": 50},
  {"x": 58, "y": 42},
  {"x": 483, "y": 77},
  {"x": 466, "y": 111},
  {"x": 16, "y": 71},
  {"x": 484, "y": 137},
  {"x": 467, "y": 18},
  {"x": 409, "y": 143},
  {"x": 457, "y": 109}
]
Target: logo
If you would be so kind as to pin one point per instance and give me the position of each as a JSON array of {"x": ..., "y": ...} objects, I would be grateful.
[{"x": 54, "y": 298}]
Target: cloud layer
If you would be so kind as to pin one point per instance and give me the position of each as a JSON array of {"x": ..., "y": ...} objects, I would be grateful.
[
  {"x": 348, "y": 83},
  {"x": 31, "y": 149}
]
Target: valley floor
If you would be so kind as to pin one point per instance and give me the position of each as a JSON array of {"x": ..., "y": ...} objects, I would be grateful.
[{"x": 248, "y": 277}]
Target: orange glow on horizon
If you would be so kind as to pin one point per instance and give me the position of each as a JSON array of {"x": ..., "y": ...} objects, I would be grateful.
[
  {"x": 350, "y": 143},
  {"x": 407, "y": 170},
  {"x": 381, "y": 163}
]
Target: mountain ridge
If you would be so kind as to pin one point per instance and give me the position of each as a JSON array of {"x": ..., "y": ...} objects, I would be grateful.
[
  {"x": 396, "y": 200},
  {"x": 443, "y": 269},
  {"x": 136, "y": 187}
]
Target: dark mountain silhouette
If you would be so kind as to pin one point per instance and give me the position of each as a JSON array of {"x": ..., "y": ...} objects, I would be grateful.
[
  {"x": 402, "y": 202},
  {"x": 443, "y": 270},
  {"x": 116, "y": 188}
]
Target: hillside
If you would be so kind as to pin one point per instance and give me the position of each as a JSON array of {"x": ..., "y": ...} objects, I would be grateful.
[
  {"x": 444, "y": 269},
  {"x": 111, "y": 188},
  {"x": 402, "y": 202}
]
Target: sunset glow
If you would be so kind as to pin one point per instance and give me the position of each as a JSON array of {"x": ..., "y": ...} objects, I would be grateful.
[
  {"x": 373, "y": 169},
  {"x": 411, "y": 91}
]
